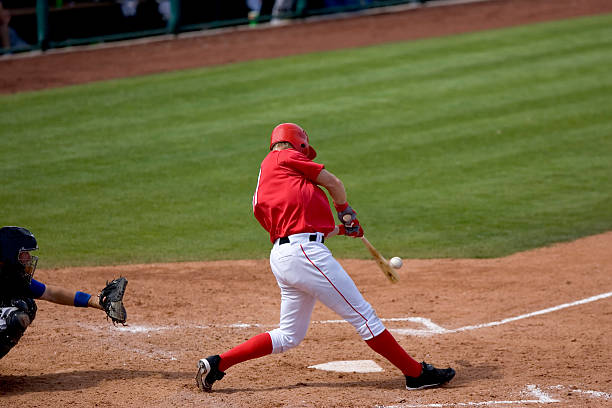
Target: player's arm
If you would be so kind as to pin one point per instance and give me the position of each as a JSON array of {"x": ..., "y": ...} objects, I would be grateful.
[
  {"x": 338, "y": 193},
  {"x": 110, "y": 299},
  {"x": 336, "y": 190},
  {"x": 61, "y": 296},
  {"x": 334, "y": 185}
]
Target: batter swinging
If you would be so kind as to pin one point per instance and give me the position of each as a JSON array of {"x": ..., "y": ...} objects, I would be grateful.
[{"x": 295, "y": 211}]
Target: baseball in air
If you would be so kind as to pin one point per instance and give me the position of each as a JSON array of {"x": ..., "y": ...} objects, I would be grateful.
[{"x": 396, "y": 262}]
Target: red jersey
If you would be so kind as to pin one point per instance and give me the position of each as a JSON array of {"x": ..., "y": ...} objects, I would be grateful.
[{"x": 287, "y": 199}]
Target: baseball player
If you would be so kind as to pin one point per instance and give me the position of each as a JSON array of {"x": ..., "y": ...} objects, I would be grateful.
[
  {"x": 18, "y": 289},
  {"x": 295, "y": 211}
]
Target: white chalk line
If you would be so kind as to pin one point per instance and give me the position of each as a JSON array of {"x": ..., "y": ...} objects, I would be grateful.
[
  {"x": 531, "y": 389},
  {"x": 542, "y": 398},
  {"x": 590, "y": 393},
  {"x": 156, "y": 354},
  {"x": 537, "y": 313},
  {"x": 429, "y": 327},
  {"x": 435, "y": 329},
  {"x": 140, "y": 329}
]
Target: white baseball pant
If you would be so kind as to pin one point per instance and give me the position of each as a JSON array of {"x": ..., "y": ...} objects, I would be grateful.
[{"x": 306, "y": 272}]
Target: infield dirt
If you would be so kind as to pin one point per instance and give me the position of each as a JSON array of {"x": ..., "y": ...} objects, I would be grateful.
[
  {"x": 178, "y": 313},
  {"x": 530, "y": 332}
]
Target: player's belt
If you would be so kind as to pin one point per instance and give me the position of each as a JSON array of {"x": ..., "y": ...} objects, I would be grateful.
[{"x": 311, "y": 238}]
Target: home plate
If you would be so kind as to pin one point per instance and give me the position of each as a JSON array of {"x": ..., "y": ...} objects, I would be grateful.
[{"x": 353, "y": 366}]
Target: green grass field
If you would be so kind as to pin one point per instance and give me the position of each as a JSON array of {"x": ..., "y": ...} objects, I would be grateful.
[{"x": 475, "y": 145}]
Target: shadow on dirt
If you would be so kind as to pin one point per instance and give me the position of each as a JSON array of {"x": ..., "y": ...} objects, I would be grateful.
[
  {"x": 390, "y": 384},
  {"x": 466, "y": 374},
  {"x": 75, "y": 380}
]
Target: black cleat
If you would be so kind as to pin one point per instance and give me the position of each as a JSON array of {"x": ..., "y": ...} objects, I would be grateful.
[
  {"x": 208, "y": 373},
  {"x": 430, "y": 377}
]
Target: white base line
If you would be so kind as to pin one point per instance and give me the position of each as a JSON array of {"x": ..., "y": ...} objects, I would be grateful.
[
  {"x": 466, "y": 404},
  {"x": 589, "y": 393},
  {"x": 441, "y": 330},
  {"x": 539, "y": 312},
  {"x": 542, "y": 398},
  {"x": 429, "y": 329}
]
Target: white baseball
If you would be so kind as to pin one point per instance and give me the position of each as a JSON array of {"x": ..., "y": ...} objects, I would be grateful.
[{"x": 396, "y": 262}]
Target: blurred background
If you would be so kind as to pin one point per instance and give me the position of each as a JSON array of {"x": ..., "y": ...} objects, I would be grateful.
[{"x": 42, "y": 24}]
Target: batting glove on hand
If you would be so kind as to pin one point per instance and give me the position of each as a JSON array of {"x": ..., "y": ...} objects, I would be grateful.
[
  {"x": 346, "y": 214},
  {"x": 355, "y": 231}
]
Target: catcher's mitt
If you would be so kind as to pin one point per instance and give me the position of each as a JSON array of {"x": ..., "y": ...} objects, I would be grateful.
[{"x": 111, "y": 300}]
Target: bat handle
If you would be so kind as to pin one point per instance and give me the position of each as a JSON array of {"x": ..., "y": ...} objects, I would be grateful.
[{"x": 365, "y": 241}]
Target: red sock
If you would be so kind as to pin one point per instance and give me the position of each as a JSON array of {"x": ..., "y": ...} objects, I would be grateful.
[
  {"x": 385, "y": 345},
  {"x": 255, "y": 347}
]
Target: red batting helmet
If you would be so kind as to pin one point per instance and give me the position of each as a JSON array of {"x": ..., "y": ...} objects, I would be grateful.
[{"x": 292, "y": 133}]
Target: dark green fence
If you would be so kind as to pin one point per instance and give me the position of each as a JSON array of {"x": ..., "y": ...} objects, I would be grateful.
[{"x": 45, "y": 24}]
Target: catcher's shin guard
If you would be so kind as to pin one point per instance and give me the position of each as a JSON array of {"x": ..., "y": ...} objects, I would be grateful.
[{"x": 13, "y": 323}]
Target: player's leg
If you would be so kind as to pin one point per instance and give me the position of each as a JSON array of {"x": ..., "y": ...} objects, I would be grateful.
[
  {"x": 337, "y": 291},
  {"x": 334, "y": 288},
  {"x": 296, "y": 309},
  {"x": 297, "y": 300},
  {"x": 282, "y": 9}
]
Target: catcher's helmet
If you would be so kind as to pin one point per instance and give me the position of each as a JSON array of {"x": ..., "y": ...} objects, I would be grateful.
[
  {"x": 292, "y": 133},
  {"x": 15, "y": 246}
]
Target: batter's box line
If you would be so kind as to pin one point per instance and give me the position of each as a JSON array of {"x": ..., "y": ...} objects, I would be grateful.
[
  {"x": 432, "y": 328},
  {"x": 530, "y": 390},
  {"x": 542, "y": 398},
  {"x": 589, "y": 393},
  {"x": 429, "y": 328}
]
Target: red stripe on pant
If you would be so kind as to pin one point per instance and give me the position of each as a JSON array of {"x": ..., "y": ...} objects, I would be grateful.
[{"x": 340, "y": 293}]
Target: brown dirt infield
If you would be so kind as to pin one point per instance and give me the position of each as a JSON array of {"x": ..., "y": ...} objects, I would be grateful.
[
  {"x": 179, "y": 313},
  {"x": 514, "y": 328}
]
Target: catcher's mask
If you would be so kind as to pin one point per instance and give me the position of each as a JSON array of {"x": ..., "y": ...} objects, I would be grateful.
[
  {"x": 16, "y": 245},
  {"x": 292, "y": 133}
]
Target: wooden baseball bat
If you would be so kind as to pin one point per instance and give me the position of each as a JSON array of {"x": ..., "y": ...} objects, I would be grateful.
[{"x": 383, "y": 264}]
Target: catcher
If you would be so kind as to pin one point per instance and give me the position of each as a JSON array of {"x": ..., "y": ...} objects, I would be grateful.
[{"x": 18, "y": 289}]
